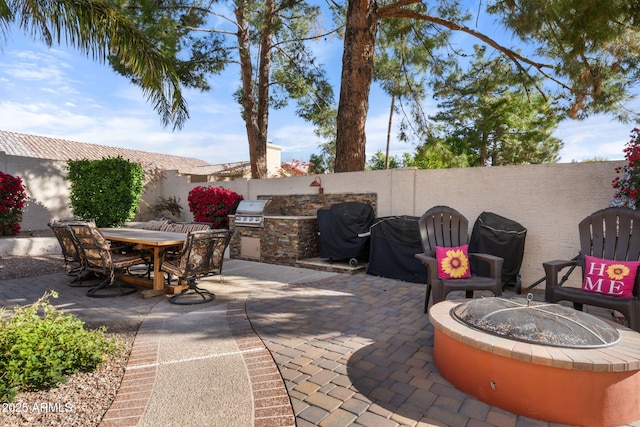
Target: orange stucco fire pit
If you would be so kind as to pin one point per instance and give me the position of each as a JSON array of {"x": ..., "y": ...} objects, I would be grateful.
[{"x": 578, "y": 386}]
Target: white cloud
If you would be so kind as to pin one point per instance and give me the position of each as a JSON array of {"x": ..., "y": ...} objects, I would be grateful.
[
  {"x": 295, "y": 138},
  {"x": 47, "y": 66},
  {"x": 597, "y": 137}
]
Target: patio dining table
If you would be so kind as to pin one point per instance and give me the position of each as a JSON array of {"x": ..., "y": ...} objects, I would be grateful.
[{"x": 155, "y": 241}]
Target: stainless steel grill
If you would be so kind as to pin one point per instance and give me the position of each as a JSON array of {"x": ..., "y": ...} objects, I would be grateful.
[{"x": 250, "y": 213}]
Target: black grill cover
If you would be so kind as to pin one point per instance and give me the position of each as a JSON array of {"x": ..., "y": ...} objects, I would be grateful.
[
  {"x": 394, "y": 242},
  {"x": 339, "y": 227},
  {"x": 496, "y": 235}
]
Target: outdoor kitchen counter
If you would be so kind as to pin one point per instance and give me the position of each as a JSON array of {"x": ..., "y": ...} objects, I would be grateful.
[
  {"x": 289, "y": 217},
  {"x": 276, "y": 239},
  {"x": 285, "y": 216}
]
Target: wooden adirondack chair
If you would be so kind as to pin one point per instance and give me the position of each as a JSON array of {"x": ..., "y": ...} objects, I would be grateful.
[{"x": 446, "y": 227}]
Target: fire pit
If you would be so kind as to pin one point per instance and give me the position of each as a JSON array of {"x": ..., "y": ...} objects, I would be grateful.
[
  {"x": 526, "y": 358},
  {"x": 537, "y": 323}
]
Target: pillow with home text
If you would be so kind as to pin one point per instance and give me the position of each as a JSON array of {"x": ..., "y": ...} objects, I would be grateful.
[
  {"x": 453, "y": 263},
  {"x": 608, "y": 277}
]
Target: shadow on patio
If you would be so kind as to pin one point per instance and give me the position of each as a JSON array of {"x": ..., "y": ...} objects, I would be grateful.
[{"x": 358, "y": 350}]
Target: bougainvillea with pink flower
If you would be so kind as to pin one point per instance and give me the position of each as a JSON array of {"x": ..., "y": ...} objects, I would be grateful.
[
  {"x": 12, "y": 200},
  {"x": 627, "y": 183},
  {"x": 213, "y": 204}
]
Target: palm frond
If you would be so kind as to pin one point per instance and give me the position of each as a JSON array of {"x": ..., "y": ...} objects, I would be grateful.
[
  {"x": 100, "y": 30},
  {"x": 6, "y": 17}
]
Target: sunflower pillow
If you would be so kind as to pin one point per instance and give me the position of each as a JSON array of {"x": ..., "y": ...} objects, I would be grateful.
[
  {"x": 615, "y": 278},
  {"x": 453, "y": 263}
]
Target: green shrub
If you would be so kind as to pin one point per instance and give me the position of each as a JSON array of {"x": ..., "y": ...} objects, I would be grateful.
[
  {"x": 41, "y": 346},
  {"x": 106, "y": 190}
]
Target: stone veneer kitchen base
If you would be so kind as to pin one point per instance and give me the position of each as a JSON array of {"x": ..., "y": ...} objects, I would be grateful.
[
  {"x": 291, "y": 235},
  {"x": 587, "y": 387}
]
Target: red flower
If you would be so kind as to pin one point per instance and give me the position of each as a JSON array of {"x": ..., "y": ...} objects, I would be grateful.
[
  {"x": 627, "y": 185},
  {"x": 213, "y": 204},
  {"x": 12, "y": 200}
]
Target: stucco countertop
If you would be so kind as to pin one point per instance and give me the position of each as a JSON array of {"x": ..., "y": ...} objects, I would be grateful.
[
  {"x": 290, "y": 217},
  {"x": 285, "y": 216}
]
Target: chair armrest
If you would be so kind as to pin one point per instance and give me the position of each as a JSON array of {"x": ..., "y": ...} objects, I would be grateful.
[
  {"x": 426, "y": 259},
  {"x": 552, "y": 270},
  {"x": 122, "y": 247},
  {"x": 494, "y": 262},
  {"x": 432, "y": 266}
]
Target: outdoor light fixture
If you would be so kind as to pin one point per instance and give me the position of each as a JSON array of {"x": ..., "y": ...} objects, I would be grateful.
[{"x": 317, "y": 183}]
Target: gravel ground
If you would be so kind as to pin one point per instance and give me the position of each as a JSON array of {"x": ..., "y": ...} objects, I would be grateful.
[
  {"x": 16, "y": 267},
  {"x": 83, "y": 400}
]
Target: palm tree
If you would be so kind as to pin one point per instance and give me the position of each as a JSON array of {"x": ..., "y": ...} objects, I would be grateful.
[{"x": 102, "y": 32}]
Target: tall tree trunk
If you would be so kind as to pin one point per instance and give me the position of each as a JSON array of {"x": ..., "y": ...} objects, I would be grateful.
[
  {"x": 255, "y": 115},
  {"x": 393, "y": 105},
  {"x": 484, "y": 149},
  {"x": 357, "y": 74},
  {"x": 264, "y": 71}
]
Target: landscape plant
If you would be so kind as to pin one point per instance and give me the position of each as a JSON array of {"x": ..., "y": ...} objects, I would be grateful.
[
  {"x": 627, "y": 183},
  {"x": 167, "y": 207},
  {"x": 12, "y": 200},
  {"x": 106, "y": 190},
  {"x": 41, "y": 346},
  {"x": 213, "y": 204}
]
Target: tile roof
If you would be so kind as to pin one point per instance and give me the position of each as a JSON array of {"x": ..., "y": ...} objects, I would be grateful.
[
  {"x": 233, "y": 169},
  {"x": 42, "y": 147}
]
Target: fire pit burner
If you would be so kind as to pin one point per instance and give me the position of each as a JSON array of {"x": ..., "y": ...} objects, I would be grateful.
[{"x": 536, "y": 322}]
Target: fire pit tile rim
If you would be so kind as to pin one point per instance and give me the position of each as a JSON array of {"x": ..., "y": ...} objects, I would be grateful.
[
  {"x": 439, "y": 315},
  {"x": 521, "y": 351}
]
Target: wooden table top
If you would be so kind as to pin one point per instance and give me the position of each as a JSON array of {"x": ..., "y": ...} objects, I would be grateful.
[{"x": 141, "y": 236}]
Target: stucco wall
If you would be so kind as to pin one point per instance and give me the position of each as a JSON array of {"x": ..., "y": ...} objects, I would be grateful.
[
  {"x": 548, "y": 200},
  {"x": 46, "y": 187}
]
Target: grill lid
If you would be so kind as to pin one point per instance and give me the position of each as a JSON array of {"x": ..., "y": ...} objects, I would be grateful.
[{"x": 252, "y": 207}]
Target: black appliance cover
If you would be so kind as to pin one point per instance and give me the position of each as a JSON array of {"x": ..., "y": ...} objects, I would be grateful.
[
  {"x": 496, "y": 235},
  {"x": 340, "y": 227},
  {"x": 394, "y": 242}
]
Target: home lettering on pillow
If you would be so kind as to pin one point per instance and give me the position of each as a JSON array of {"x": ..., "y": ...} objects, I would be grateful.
[{"x": 609, "y": 277}]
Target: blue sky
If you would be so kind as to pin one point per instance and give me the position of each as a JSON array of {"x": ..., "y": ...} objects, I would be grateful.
[{"x": 58, "y": 92}]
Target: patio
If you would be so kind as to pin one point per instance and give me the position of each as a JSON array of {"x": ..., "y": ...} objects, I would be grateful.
[{"x": 348, "y": 350}]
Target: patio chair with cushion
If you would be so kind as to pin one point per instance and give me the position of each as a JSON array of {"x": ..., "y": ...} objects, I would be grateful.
[
  {"x": 99, "y": 257},
  {"x": 445, "y": 238},
  {"x": 70, "y": 253},
  {"x": 183, "y": 227},
  {"x": 609, "y": 255},
  {"x": 202, "y": 255}
]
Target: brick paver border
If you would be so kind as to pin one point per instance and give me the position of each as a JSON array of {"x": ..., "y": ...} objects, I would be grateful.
[
  {"x": 135, "y": 391},
  {"x": 271, "y": 403}
]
